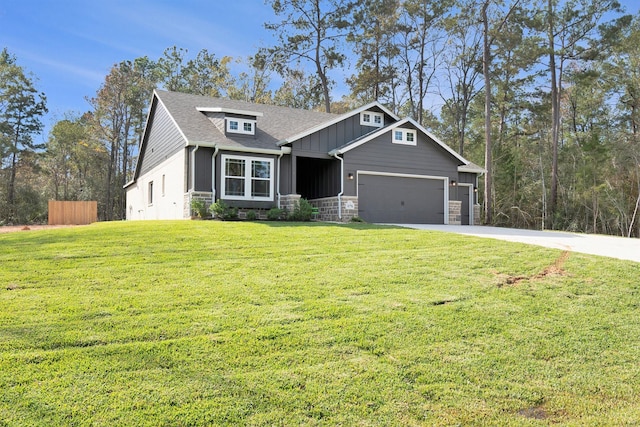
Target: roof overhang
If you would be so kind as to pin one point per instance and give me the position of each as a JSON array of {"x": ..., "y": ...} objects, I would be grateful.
[
  {"x": 229, "y": 110},
  {"x": 337, "y": 120},
  {"x": 240, "y": 149},
  {"x": 472, "y": 168}
]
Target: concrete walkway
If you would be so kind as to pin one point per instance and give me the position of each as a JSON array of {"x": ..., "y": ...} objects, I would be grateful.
[{"x": 594, "y": 244}]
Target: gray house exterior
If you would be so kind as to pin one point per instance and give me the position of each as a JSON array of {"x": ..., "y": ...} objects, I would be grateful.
[{"x": 367, "y": 163}]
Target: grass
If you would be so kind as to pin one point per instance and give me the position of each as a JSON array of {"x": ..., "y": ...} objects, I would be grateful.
[{"x": 215, "y": 323}]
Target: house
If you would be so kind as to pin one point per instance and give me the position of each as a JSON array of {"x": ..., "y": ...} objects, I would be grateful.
[{"x": 367, "y": 163}]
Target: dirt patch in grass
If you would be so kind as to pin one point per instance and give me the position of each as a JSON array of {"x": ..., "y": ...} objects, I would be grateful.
[
  {"x": 555, "y": 269},
  {"x": 15, "y": 228}
]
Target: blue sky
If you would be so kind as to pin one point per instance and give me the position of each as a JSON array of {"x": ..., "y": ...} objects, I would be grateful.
[{"x": 70, "y": 45}]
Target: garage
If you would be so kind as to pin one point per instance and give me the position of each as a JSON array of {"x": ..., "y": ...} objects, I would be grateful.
[{"x": 387, "y": 198}]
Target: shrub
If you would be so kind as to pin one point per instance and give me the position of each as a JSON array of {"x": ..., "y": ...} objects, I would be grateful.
[
  {"x": 302, "y": 211},
  {"x": 275, "y": 214},
  {"x": 199, "y": 207},
  {"x": 252, "y": 215},
  {"x": 357, "y": 219},
  {"x": 223, "y": 211}
]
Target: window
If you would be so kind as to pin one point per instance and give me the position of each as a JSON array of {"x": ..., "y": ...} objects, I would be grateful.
[
  {"x": 241, "y": 126},
  {"x": 404, "y": 136},
  {"x": 150, "y": 197},
  {"x": 247, "y": 178},
  {"x": 370, "y": 118}
]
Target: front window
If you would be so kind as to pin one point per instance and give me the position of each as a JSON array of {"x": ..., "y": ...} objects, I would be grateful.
[{"x": 247, "y": 178}]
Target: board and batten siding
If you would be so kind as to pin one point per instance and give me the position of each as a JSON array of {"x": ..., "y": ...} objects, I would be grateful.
[
  {"x": 333, "y": 136},
  {"x": 382, "y": 155},
  {"x": 167, "y": 140}
]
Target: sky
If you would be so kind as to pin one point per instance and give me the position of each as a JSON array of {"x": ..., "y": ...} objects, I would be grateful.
[{"x": 69, "y": 46}]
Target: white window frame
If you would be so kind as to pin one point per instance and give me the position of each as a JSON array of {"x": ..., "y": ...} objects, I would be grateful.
[
  {"x": 368, "y": 118},
  {"x": 247, "y": 177},
  {"x": 241, "y": 124},
  {"x": 150, "y": 193},
  {"x": 404, "y": 133}
]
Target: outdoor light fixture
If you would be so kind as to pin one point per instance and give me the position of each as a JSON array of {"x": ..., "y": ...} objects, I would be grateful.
[
  {"x": 453, "y": 183},
  {"x": 475, "y": 189},
  {"x": 350, "y": 176}
]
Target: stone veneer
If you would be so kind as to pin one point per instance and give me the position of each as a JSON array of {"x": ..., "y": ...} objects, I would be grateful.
[
  {"x": 328, "y": 208},
  {"x": 205, "y": 196},
  {"x": 288, "y": 201},
  {"x": 455, "y": 212},
  {"x": 476, "y": 215}
]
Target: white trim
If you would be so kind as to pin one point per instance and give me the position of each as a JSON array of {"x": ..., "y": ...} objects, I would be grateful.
[
  {"x": 404, "y": 133},
  {"x": 445, "y": 180},
  {"x": 338, "y": 119},
  {"x": 240, "y": 123},
  {"x": 372, "y": 119},
  {"x": 471, "y": 201},
  {"x": 240, "y": 149},
  {"x": 382, "y": 131},
  {"x": 472, "y": 168},
  {"x": 170, "y": 116},
  {"x": 229, "y": 110},
  {"x": 247, "y": 177}
]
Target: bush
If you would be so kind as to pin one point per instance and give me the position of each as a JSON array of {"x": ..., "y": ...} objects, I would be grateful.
[
  {"x": 199, "y": 207},
  {"x": 252, "y": 215},
  {"x": 224, "y": 212},
  {"x": 302, "y": 211},
  {"x": 275, "y": 214},
  {"x": 357, "y": 219}
]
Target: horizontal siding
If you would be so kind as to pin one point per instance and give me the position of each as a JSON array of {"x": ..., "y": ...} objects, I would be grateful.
[
  {"x": 166, "y": 140},
  {"x": 381, "y": 155}
]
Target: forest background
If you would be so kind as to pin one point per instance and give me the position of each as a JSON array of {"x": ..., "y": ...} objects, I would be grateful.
[{"x": 544, "y": 95}]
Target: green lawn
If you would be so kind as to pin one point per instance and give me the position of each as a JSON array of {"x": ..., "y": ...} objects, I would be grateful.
[{"x": 233, "y": 323}]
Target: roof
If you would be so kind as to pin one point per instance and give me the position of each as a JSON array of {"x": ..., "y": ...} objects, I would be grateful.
[{"x": 273, "y": 123}]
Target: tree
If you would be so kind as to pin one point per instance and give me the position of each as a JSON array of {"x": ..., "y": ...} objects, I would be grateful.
[
  {"x": 374, "y": 36},
  {"x": 299, "y": 90},
  {"x": 421, "y": 46},
  {"x": 568, "y": 30},
  {"x": 203, "y": 75},
  {"x": 117, "y": 119},
  {"x": 463, "y": 65},
  {"x": 311, "y": 31},
  {"x": 21, "y": 111},
  {"x": 253, "y": 86}
]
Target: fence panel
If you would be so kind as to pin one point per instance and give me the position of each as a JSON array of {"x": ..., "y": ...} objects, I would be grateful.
[{"x": 72, "y": 213}]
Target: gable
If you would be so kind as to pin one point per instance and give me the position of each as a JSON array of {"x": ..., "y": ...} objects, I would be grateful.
[
  {"x": 406, "y": 124},
  {"x": 381, "y": 153},
  {"x": 347, "y": 128},
  {"x": 161, "y": 139}
]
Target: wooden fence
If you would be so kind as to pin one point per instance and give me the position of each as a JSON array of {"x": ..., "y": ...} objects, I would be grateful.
[{"x": 76, "y": 213}]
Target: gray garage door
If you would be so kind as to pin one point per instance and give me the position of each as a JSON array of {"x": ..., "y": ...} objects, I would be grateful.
[{"x": 392, "y": 199}]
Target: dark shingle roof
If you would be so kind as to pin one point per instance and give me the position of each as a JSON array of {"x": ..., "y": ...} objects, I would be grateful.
[{"x": 275, "y": 124}]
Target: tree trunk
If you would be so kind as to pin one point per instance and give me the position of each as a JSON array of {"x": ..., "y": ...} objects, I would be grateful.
[
  {"x": 555, "y": 115},
  {"x": 486, "y": 58}
]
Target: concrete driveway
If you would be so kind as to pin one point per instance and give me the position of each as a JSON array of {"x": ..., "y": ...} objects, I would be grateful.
[{"x": 594, "y": 244}]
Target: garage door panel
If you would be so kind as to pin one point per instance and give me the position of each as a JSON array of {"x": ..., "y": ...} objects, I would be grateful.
[{"x": 393, "y": 199}]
